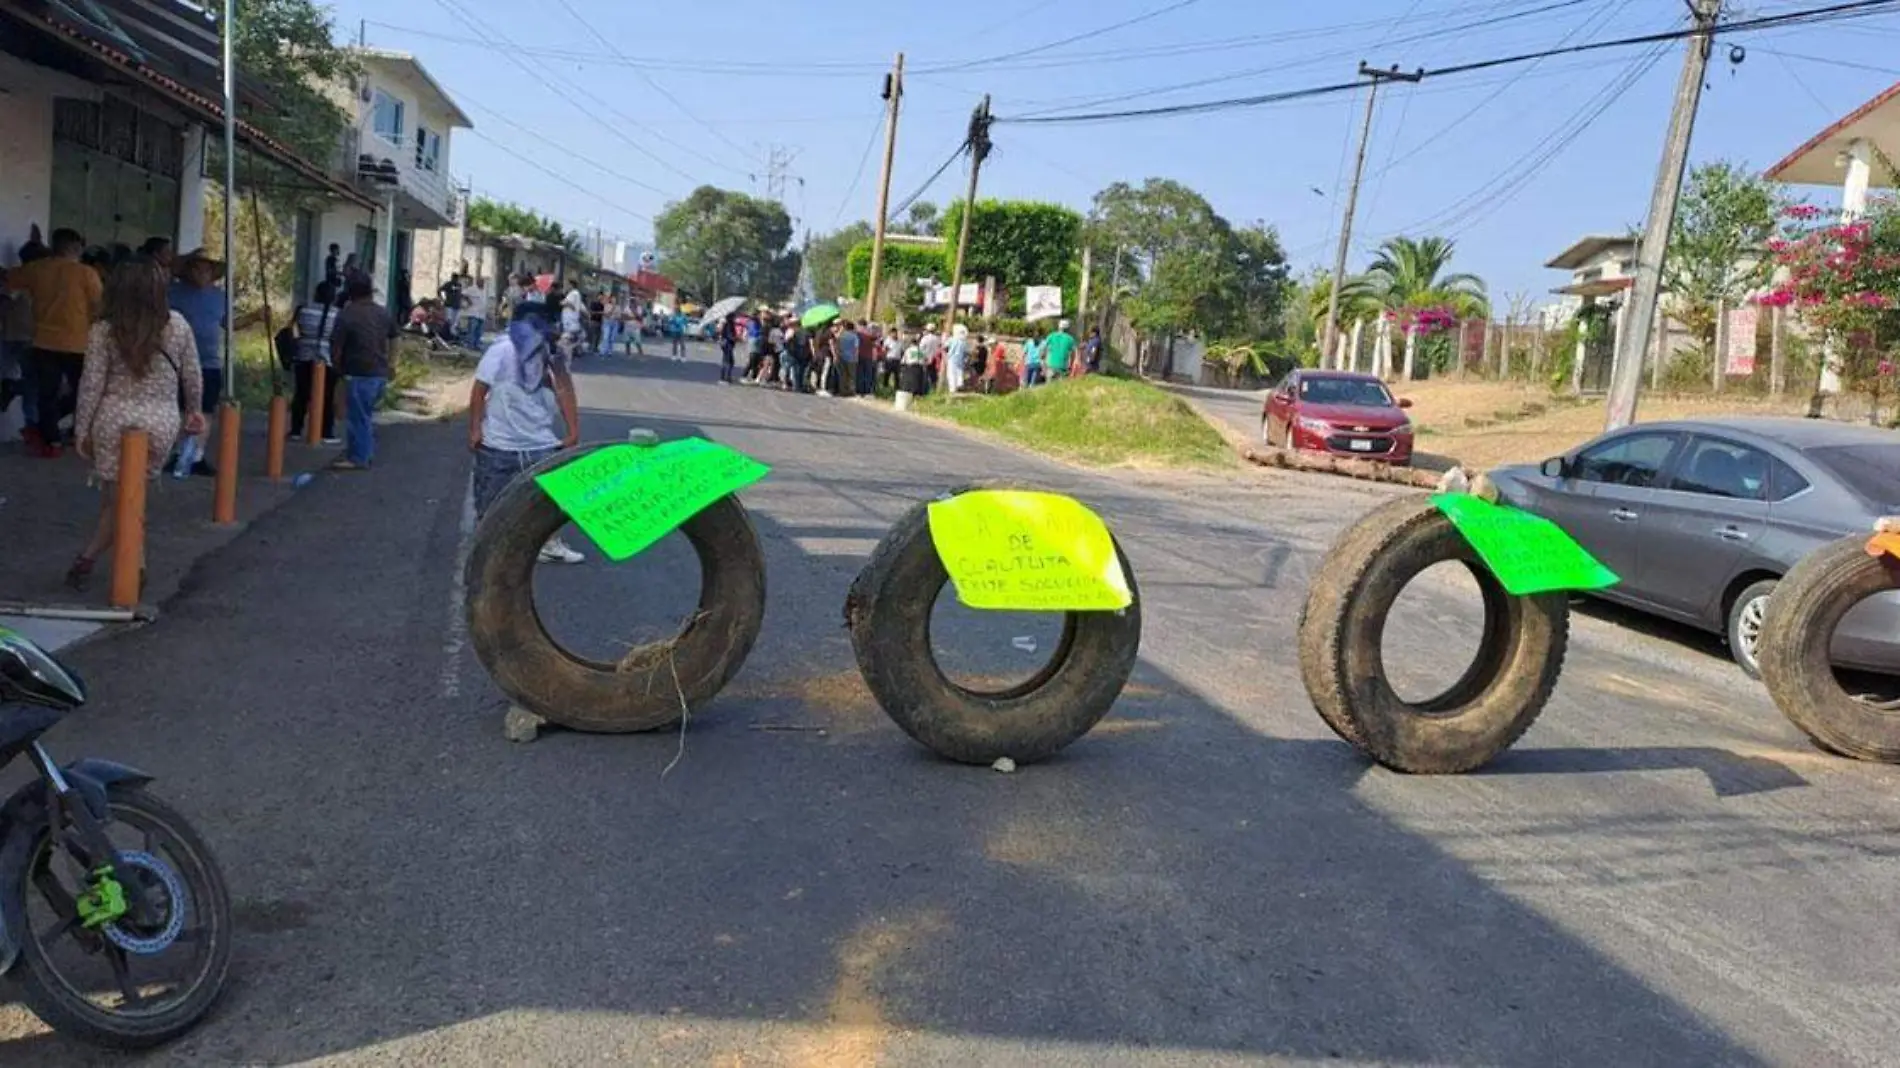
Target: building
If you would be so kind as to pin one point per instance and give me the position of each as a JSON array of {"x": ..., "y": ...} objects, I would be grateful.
[
  {"x": 396, "y": 151},
  {"x": 108, "y": 110}
]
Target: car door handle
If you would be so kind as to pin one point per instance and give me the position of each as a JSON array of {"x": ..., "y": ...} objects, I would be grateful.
[
  {"x": 1731, "y": 534},
  {"x": 1623, "y": 515}
]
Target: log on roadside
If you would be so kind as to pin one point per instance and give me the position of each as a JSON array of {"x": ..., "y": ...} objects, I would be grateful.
[{"x": 1364, "y": 470}]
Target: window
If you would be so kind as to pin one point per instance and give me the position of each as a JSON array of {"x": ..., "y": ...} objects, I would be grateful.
[
  {"x": 428, "y": 150},
  {"x": 1359, "y": 392},
  {"x": 1716, "y": 468},
  {"x": 386, "y": 117},
  {"x": 1872, "y": 471},
  {"x": 1631, "y": 460},
  {"x": 1784, "y": 481}
]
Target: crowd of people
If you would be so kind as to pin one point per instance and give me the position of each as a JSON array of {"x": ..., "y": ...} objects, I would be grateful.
[{"x": 844, "y": 358}]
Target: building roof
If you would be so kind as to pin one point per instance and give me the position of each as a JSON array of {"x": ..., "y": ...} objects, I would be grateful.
[
  {"x": 414, "y": 66},
  {"x": 1589, "y": 248},
  {"x": 1817, "y": 161},
  {"x": 206, "y": 109},
  {"x": 1596, "y": 287}
]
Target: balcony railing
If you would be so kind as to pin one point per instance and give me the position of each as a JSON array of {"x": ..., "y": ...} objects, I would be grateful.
[{"x": 378, "y": 161}]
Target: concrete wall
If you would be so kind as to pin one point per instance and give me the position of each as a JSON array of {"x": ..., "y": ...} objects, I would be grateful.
[
  {"x": 437, "y": 255},
  {"x": 26, "y": 168}
]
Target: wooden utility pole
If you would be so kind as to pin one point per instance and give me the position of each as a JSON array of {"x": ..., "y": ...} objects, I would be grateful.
[
  {"x": 1626, "y": 376},
  {"x": 1331, "y": 332},
  {"x": 1082, "y": 298},
  {"x": 893, "y": 96},
  {"x": 979, "y": 146}
]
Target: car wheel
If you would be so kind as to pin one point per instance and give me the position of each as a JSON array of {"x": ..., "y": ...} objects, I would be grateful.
[{"x": 1745, "y": 619}]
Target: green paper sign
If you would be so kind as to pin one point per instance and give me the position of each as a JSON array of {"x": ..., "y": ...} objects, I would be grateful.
[
  {"x": 1529, "y": 554},
  {"x": 1018, "y": 550},
  {"x": 626, "y": 497}
]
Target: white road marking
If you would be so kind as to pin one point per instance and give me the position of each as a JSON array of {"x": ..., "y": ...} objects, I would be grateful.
[{"x": 451, "y": 678}]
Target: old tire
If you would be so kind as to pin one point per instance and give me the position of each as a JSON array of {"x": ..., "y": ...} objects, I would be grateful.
[
  {"x": 1795, "y": 647},
  {"x": 1342, "y": 662},
  {"x": 645, "y": 689},
  {"x": 888, "y": 612}
]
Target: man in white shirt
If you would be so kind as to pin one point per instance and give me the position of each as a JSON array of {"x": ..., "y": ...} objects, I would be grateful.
[
  {"x": 521, "y": 388},
  {"x": 475, "y": 312}
]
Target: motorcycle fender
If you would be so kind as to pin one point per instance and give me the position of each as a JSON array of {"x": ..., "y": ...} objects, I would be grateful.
[{"x": 91, "y": 777}]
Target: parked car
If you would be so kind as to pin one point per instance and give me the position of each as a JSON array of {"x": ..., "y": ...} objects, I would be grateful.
[
  {"x": 1338, "y": 412},
  {"x": 1701, "y": 518}
]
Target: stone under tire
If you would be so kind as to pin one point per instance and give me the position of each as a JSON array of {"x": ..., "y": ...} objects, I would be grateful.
[
  {"x": 643, "y": 691},
  {"x": 888, "y": 613},
  {"x": 1520, "y": 654},
  {"x": 1797, "y": 634}
]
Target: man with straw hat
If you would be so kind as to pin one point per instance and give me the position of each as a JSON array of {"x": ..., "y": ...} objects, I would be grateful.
[{"x": 199, "y": 299}]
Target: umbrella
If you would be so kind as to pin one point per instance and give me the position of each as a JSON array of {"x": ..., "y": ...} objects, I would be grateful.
[
  {"x": 720, "y": 310},
  {"x": 819, "y": 315}
]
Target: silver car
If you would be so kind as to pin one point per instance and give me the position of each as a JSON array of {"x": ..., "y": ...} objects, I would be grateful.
[{"x": 1701, "y": 518}]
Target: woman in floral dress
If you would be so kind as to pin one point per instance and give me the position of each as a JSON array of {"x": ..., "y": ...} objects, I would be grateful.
[{"x": 141, "y": 371}]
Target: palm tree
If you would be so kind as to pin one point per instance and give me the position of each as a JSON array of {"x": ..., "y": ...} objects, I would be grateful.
[{"x": 1408, "y": 273}]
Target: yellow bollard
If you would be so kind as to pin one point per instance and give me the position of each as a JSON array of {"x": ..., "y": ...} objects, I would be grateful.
[
  {"x": 274, "y": 447},
  {"x": 319, "y": 400},
  {"x": 128, "y": 546}
]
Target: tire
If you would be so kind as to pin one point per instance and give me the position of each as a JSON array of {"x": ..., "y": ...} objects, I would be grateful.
[
  {"x": 888, "y": 612},
  {"x": 1796, "y": 641},
  {"x": 645, "y": 690},
  {"x": 1520, "y": 654},
  {"x": 1744, "y": 626},
  {"x": 40, "y": 986}
]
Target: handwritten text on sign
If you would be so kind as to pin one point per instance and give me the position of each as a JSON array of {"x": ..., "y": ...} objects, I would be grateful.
[
  {"x": 1529, "y": 554},
  {"x": 1016, "y": 550},
  {"x": 626, "y": 497}
]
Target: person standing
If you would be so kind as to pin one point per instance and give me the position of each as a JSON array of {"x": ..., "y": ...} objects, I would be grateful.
[
  {"x": 1092, "y": 350},
  {"x": 404, "y": 296},
  {"x": 630, "y": 318},
  {"x": 65, "y": 294},
  {"x": 1059, "y": 350},
  {"x": 824, "y": 348},
  {"x": 521, "y": 388},
  {"x": 360, "y": 347},
  {"x": 850, "y": 347},
  {"x": 755, "y": 348},
  {"x": 596, "y": 321},
  {"x": 728, "y": 341},
  {"x": 141, "y": 370},
  {"x": 316, "y": 329},
  {"x": 159, "y": 250},
  {"x": 956, "y": 357},
  {"x": 676, "y": 331},
  {"x": 452, "y": 293},
  {"x": 16, "y": 346},
  {"x": 197, "y": 296},
  {"x": 475, "y": 312},
  {"x": 609, "y": 323},
  {"x": 1032, "y": 360},
  {"x": 798, "y": 357},
  {"x": 930, "y": 346}
]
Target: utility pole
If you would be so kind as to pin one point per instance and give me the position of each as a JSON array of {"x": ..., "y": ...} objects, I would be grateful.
[
  {"x": 893, "y": 95},
  {"x": 1626, "y": 374},
  {"x": 979, "y": 146},
  {"x": 1331, "y": 333}
]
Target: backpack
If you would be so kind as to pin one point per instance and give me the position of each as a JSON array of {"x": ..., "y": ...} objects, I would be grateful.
[{"x": 286, "y": 342}]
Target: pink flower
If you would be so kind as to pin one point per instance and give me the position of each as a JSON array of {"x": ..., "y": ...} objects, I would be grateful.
[
  {"x": 1886, "y": 368},
  {"x": 1801, "y": 211}
]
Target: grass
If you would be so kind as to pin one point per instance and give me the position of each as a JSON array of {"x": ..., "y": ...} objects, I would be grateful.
[
  {"x": 257, "y": 363},
  {"x": 1096, "y": 420}
]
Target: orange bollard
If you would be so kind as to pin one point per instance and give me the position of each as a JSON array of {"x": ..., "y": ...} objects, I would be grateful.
[
  {"x": 274, "y": 447},
  {"x": 128, "y": 546},
  {"x": 319, "y": 399},
  {"x": 224, "y": 493}
]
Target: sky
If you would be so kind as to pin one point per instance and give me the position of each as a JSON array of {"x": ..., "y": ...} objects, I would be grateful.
[{"x": 600, "y": 112}]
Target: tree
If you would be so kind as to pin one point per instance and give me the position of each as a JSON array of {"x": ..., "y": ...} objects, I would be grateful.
[
  {"x": 920, "y": 221},
  {"x": 496, "y": 217},
  {"x": 288, "y": 48},
  {"x": 1409, "y": 273},
  {"x": 718, "y": 242},
  {"x": 1187, "y": 267},
  {"x": 1019, "y": 243},
  {"x": 827, "y": 257},
  {"x": 1724, "y": 221}
]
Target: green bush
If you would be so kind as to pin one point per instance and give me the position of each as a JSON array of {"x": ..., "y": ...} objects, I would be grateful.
[{"x": 905, "y": 261}]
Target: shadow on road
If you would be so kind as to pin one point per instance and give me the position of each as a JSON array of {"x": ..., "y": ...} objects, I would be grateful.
[{"x": 1174, "y": 882}]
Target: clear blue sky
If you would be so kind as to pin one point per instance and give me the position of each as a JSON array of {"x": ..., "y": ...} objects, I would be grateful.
[{"x": 1467, "y": 156}]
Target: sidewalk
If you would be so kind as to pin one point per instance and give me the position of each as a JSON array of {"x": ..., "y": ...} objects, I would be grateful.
[{"x": 47, "y": 512}]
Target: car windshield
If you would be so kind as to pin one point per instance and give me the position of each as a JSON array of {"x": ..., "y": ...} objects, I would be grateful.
[
  {"x": 1354, "y": 391},
  {"x": 1872, "y": 471}
]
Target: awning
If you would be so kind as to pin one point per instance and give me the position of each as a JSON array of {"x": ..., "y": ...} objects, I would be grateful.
[
  {"x": 652, "y": 282},
  {"x": 1596, "y": 287},
  {"x": 207, "y": 109},
  {"x": 1818, "y": 161}
]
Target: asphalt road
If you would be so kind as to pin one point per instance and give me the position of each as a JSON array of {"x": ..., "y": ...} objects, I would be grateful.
[{"x": 1662, "y": 873}]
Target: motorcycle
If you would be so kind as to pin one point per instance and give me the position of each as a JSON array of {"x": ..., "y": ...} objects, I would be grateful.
[{"x": 114, "y": 917}]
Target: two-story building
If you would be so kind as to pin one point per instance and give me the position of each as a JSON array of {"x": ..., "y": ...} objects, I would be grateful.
[
  {"x": 397, "y": 152},
  {"x": 106, "y": 112}
]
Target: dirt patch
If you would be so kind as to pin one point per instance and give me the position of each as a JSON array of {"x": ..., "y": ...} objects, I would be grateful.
[
  {"x": 838, "y": 703},
  {"x": 857, "y": 1028}
]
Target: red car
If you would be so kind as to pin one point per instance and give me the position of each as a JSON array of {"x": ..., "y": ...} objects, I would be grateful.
[{"x": 1338, "y": 412}]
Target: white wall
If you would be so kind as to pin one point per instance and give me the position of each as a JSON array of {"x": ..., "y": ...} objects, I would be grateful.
[
  {"x": 26, "y": 167},
  {"x": 337, "y": 225},
  {"x": 391, "y": 77}
]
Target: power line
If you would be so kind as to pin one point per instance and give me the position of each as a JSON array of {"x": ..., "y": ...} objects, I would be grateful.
[
  {"x": 876, "y": 128},
  {"x": 647, "y": 78},
  {"x": 561, "y": 178},
  {"x": 1806, "y": 16},
  {"x": 1049, "y": 45},
  {"x": 905, "y": 204},
  {"x": 566, "y": 150}
]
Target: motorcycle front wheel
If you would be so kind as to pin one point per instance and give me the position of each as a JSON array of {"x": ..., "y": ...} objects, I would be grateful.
[{"x": 137, "y": 981}]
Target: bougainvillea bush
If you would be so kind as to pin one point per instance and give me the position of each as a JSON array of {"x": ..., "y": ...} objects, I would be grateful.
[{"x": 1843, "y": 280}]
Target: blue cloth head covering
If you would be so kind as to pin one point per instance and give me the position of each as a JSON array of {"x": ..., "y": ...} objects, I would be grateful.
[{"x": 529, "y": 337}]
